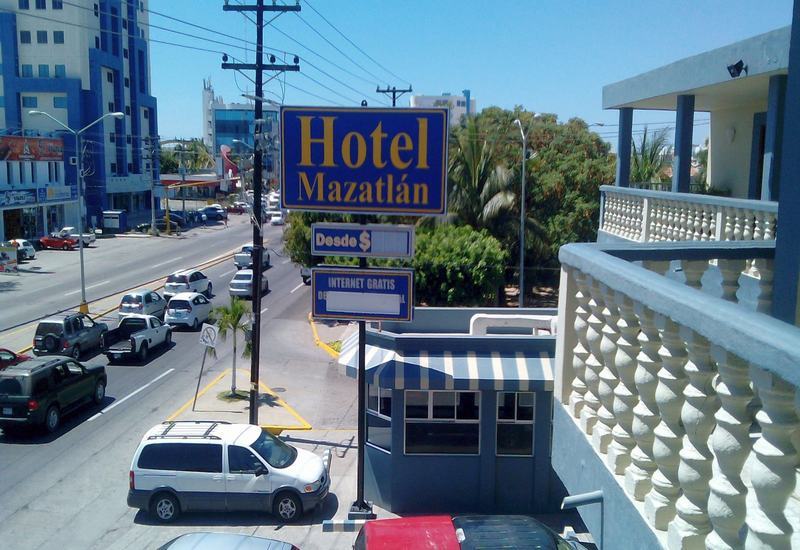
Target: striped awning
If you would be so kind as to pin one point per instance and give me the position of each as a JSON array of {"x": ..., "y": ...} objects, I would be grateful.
[{"x": 466, "y": 370}]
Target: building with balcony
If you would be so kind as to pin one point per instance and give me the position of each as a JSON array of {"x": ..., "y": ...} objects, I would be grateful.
[
  {"x": 78, "y": 62},
  {"x": 678, "y": 348}
]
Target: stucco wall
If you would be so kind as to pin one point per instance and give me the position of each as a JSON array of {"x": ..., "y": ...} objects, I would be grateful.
[{"x": 729, "y": 160}]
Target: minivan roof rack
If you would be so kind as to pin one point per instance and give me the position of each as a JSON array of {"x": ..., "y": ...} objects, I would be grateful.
[{"x": 169, "y": 425}]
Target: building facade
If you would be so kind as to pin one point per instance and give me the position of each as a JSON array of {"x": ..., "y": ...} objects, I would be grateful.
[
  {"x": 78, "y": 62},
  {"x": 457, "y": 104}
]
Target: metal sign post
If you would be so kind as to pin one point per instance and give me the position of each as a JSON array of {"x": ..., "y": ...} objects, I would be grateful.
[{"x": 208, "y": 338}]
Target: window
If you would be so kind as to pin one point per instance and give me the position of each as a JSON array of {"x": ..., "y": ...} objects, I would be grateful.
[
  {"x": 25, "y": 37},
  {"x": 183, "y": 457},
  {"x": 125, "y": 53},
  {"x": 61, "y": 71},
  {"x": 58, "y": 37},
  {"x": 24, "y": 4},
  {"x": 41, "y": 4},
  {"x": 96, "y": 38},
  {"x": 146, "y": 113},
  {"x": 44, "y": 71},
  {"x": 130, "y": 167},
  {"x": 442, "y": 422},
  {"x": 41, "y": 37},
  {"x": 128, "y": 139},
  {"x": 515, "y": 423},
  {"x": 96, "y": 11},
  {"x": 111, "y": 137},
  {"x": 60, "y": 102},
  {"x": 110, "y": 106},
  {"x": 127, "y": 111},
  {"x": 242, "y": 461},
  {"x": 27, "y": 71},
  {"x": 2, "y": 105},
  {"x": 124, "y": 23},
  {"x": 114, "y": 168},
  {"x": 58, "y": 4},
  {"x": 30, "y": 102},
  {"x": 109, "y": 76},
  {"x": 379, "y": 417},
  {"x": 127, "y": 82}
]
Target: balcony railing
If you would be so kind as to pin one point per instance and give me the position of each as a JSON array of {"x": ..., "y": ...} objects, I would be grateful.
[
  {"x": 690, "y": 399},
  {"x": 643, "y": 215}
]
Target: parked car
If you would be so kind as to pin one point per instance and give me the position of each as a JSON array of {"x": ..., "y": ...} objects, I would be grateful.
[
  {"x": 174, "y": 460},
  {"x": 68, "y": 334},
  {"x": 305, "y": 274},
  {"x": 187, "y": 280},
  {"x": 188, "y": 309},
  {"x": 25, "y": 247},
  {"x": 41, "y": 391},
  {"x": 144, "y": 302},
  {"x": 443, "y": 532},
  {"x": 161, "y": 225},
  {"x": 87, "y": 238},
  {"x": 242, "y": 284},
  {"x": 135, "y": 336},
  {"x": 8, "y": 358},
  {"x": 219, "y": 541},
  {"x": 214, "y": 213},
  {"x": 244, "y": 259},
  {"x": 175, "y": 217},
  {"x": 237, "y": 208},
  {"x": 54, "y": 240},
  {"x": 277, "y": 219}
]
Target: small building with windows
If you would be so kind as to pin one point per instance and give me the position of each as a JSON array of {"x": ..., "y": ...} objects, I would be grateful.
[{"x": 459, "y": 409}]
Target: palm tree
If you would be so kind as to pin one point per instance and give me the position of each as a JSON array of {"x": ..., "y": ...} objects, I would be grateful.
[
  {"x": 233, "y": 319},
  {"x": 650, "y": 157}
]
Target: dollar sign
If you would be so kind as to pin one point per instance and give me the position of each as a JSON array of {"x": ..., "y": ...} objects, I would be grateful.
[{"x": 364, "y": 242}]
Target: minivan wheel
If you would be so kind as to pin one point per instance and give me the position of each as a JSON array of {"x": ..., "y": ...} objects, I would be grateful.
[
  {"x": 287, "y": 507},
  {"x": 52, "y": 420},
  {"x": 99, "y": 392},
  {"x": 76, "y": 352},
  {"x": 165, "y": 507}
]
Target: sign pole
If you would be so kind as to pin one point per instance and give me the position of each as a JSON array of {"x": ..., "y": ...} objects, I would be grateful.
[{"x": 202, "y": 366}]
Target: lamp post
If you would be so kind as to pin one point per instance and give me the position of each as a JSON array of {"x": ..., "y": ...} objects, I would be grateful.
[
  {"x": 522, "y": 217},
  {"x": 84, "y": 307}
]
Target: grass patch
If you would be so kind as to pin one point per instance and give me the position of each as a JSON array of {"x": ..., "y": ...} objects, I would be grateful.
[
  {"x": 335, "y": 345},
  {"x": 241, "y": 395}
]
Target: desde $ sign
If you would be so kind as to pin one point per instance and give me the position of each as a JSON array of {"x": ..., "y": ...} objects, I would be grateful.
[{"x": 383, "y": 161}]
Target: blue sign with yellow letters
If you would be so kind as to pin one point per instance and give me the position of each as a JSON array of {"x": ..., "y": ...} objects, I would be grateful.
[
  {"x": 362, "y": 294},
  {"x": 378, "y": 161}
]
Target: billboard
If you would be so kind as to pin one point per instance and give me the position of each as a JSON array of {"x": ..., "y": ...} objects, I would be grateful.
[
  {"x": 371, "y": 161},
  {"x": 31, "y": 148}
]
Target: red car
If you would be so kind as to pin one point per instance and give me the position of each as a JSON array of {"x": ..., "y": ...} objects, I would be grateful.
[
  {"x": 55, "y": 241},
  {"x": 8, "y": 358}
]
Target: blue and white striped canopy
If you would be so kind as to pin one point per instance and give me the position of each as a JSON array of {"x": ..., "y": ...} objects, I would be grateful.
[{"x": 447, "y": 370}]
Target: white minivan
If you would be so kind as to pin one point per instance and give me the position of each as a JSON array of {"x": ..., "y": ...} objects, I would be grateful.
[{"x": 184, "y": 466}]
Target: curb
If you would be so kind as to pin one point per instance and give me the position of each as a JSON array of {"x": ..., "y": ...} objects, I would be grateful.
[
  {"x": 329, "y": 350},
  {"x": 342, "y": 525}
]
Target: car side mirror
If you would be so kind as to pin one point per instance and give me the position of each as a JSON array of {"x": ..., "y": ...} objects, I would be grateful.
[{"x": 260, "y": 471}]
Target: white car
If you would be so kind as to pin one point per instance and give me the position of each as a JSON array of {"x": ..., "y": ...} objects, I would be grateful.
[
  {"x": 187, "y": 280},
  {"x": 242, "y": 284},
  {"x": 188, "y": 309},
  {"x": 27, "y": 249},
  {"x": 87, "y": 238},
  {"x": 233, "y": 466},
  {"x": 142, "y": 302},
  {"x": 277, "y": 219}
]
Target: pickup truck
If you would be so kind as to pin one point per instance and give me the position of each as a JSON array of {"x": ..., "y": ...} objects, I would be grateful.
[
  {"x": 87, "y": 238},
  {"x": 244, "y": 259},
  {"x": 135, "y": 336}
]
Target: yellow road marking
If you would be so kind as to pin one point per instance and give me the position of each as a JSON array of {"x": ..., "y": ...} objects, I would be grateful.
[
  {"x": 332, "y": 352},
  {"x": 303, "y": 423},
  {"x": 186, "y": 405}
]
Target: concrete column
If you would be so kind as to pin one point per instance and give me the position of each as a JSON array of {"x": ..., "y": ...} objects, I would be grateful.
[
  {"x": 2, "y": 227},
  {"x": 624, "y": 147},
  {"x": 774, "y": 137},
  {"x": 682, "y": 164},
  {"x": 787, "y": 246}
]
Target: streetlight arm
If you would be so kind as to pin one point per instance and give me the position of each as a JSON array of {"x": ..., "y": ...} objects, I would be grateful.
[
  {"x": 54, "y": 119},
  {"x": 107, "y": 115}
]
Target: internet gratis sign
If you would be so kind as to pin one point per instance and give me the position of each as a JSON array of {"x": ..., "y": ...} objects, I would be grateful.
[{"x": 382, "y": 161}]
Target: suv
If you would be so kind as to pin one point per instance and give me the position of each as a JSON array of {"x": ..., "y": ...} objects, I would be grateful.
[
  {"x": 39, "y": 391},
  {"x": 188, "y": 280},
  {"x": 205, "y": 465},
  {"x": 70, "y": 334}
]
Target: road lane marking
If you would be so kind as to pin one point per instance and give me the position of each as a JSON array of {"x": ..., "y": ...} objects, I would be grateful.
[
  {"x": 168, "y": 261},
  {"x": 286, "y": 261},
  {"x": 186, "y": 405},
  {"x": 87, "y": 288},
  {"x": 228, "y": 273},
  {"x": 264, "y": 310},
  {"x": 120, "y": 401},
  {"x": 298, "y": 287}
]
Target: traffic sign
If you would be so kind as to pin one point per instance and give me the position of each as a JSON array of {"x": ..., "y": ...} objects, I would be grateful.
[
  {"x": 208, "y": 335},
  {"x": 371, "y": 240},
  {"x": 362, "y": 294},
  {"x": 380, "y": 161}
]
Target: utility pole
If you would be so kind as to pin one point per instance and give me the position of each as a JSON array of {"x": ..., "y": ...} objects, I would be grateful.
[
  {"x": 394, "y": 92},
  {"x": 258, "y": 242},
  {"x": 151, "y": 149}
]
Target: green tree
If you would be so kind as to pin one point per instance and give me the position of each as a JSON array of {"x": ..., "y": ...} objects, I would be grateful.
[
  {"x": 168, "y": 162},
  {"x": 650, "y": 157},
  {"x": 233, "y": 319}
]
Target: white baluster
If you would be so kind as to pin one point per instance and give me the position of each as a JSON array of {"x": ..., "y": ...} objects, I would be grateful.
[
  {"x": 747, "y": 225},
  {"x": 730, "y": 270},
  {"x": 593, "y": 366},
  {"x": 730, "y": 445},
  {"x": 693, "y": 270},
  {"x": 690, "y": 527},
  {"x": 601, "y": 436},
  {"x": 708, "y": 224},
  {"x": 580, "y": 352},
  {"x": 645, "y": 414},
  {"x": 766, "y": 275},
  {"x": 769, "y": 226},
  {"x": 640, "y": 219},
  {"x": 659, "y": 504},
  {"x": 625, "y": 395},
  {"x": 737, "y": 224},
  {"x": 758, "y": 227},
  {"x": 683, "y": 222},
  {"x": 773, "y": 465},
  {"x": 728, "y": 230}
]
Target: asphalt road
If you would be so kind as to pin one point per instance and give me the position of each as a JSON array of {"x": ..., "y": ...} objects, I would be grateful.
[{"x": 68, "y": 490}]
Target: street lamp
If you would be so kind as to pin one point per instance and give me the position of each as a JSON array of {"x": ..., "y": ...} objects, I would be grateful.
[
  {"x": 83, "y": 308},
  {"x": 522, "y": 217}
]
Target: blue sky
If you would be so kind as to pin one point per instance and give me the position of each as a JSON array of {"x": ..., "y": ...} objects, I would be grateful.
[{"x": 548, "y": 56}]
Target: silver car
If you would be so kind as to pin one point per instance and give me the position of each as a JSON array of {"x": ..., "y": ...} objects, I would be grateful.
[
  {"x": 242, "y": 284},
  {"x": 142, "y": 302}
]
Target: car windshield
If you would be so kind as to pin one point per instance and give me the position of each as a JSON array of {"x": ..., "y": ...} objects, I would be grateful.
[
  {"x": 176, "y": 279},
  {"x": 247, "y": 249},
  {"x": 242, "y": 277},
  {"x": 131, "y": 299},
  {"x": 48, "y": 327},
  {"x": 12, "y": 385},
  {"x": 277, "y": 453},
  {"x": 179, "y": 304}
]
